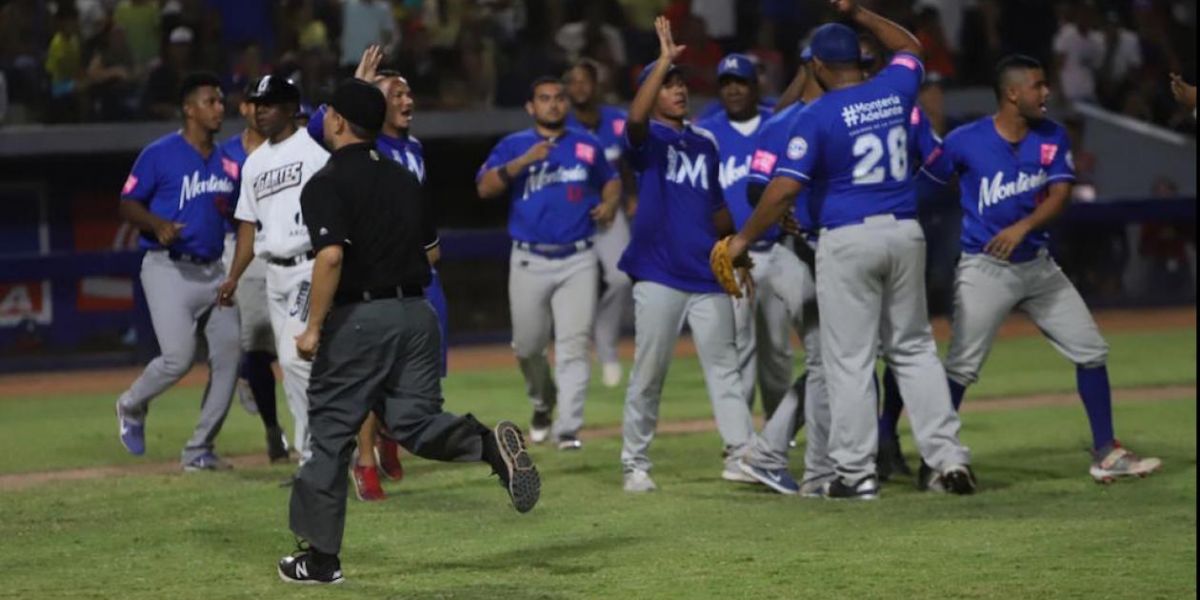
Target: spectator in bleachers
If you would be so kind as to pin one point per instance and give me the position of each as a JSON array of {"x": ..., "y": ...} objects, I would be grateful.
[
  {"x": 592, "y": 24},
  {"x": 720, "y": 19},
  {"x": 1121, "y": 59},
  {"x": 24, "y": 36},
  {"x": 139, "y": 20},
  {"x": 365, "y": 23},
  {"x": 1078, "y": 55},
  {"x": 248, "y": 66},
  {"x": 531, "y": 54},
  {"x": 112, "y": 76},
  {"x": 939, "y": 58},
  {"x": 64, "y": 65},
  {"x": 161, "y": 98},
  {"x": 699, "y": 61},
  {"x": 245, "y": 21}
]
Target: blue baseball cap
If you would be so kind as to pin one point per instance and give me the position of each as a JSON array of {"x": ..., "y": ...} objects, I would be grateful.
[
  {"x": 650, "y": 68},
  {"x": 835, "y": 43},
  {"x": 739, "y": 66}
]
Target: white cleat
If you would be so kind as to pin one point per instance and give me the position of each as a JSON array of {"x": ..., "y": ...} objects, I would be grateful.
[
  {"x": 638, "y": 481},
  {"x": 733, "y": 472},
  {"x": 1119, "y": 462},
  {"x": 611, "y": 374}
]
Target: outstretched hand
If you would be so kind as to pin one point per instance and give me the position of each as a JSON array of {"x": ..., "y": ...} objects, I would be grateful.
[
  {"x": 1184, "y": 94},
  {"x": 368, "y": 65},
  {"x": 667, "y": 50}
]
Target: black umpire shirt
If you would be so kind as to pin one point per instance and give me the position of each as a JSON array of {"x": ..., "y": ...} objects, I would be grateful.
[{"x": 378, "y": 212}]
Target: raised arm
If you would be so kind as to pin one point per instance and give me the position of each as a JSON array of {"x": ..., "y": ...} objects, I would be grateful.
[
  {"x": 893, "y": 37},
  {"x": 637, "y": 126}
]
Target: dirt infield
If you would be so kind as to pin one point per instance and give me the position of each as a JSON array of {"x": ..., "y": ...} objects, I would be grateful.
[
  {"x": 20, "y": 481},
  {"x": 500, "y": 355}
]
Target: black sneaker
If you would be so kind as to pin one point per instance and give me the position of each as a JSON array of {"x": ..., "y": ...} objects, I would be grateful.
[
  {"x": 277, "y": 446},
  {"x": 569, "y": 442},
  {"x": 308, "y": 567},
  {"x": 958, "y": 479},
  {"x": 539, "y": 426},
  {"x": 866, "y": 488},
  {"x": 890, "y": 461},
  {"x": 504, "y": 448}
]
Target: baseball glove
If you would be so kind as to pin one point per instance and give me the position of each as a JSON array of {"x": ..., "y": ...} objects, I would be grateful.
[{"x": 733, "y": 273}]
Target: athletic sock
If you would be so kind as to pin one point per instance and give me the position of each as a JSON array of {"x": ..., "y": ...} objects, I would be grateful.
[
  {"x": 957, "y": 391},
  {"x": 256, "y": 370},
  {"x": 1097, "y": 402},
  {"x": 893, "y": 404}
]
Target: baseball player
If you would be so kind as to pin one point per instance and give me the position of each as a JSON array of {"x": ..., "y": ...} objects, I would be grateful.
[
  {"x": 1015, "y": 175},
  {"x": 177, "y": 194},
  {"x": 398, "y": 144},
  {"x": 607, "y": 123},
  {"x": 272, "y": 228},
  {"x": 680, "y": 213},
  {"x": 257, "y": 341},
  {"x": 561, "y": 187},
  {"x": 852, "y": 148},
  {"x": 799, "y": 290}
]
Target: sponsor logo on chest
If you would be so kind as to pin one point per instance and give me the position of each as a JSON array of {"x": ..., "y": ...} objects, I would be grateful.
[
  {"x": 276, "y": 180},
  {"x": 193, "y": 186},
  {"x": 995, "y": 190}
]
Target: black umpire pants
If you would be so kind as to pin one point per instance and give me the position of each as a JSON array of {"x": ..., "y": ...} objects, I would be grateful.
[{"x": 382, "y": 355}]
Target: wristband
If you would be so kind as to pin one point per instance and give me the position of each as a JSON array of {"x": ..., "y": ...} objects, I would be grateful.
[{"x": 502, "y": 172}]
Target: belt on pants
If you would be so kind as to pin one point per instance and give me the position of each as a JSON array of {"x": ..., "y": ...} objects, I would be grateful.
[
  {"x": 188, "y": 258},
  {"x": 554, "y": 250},
  {"x": 298, "y": 259},
  {"x": 404, "y": 290},
  {"x": 872, "y": 219}
]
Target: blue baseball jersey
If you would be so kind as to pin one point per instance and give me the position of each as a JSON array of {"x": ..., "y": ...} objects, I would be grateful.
[
  {"x": 679, "y": 191},
  {"x": 852, "y": 146},
  {"x": 233, "y": 156},
  {"x": 610, "y": 131},
  {"x": 771, "y": 144},
  {"x": 406, "y": 150},
  {"x": 552, "y": 200},
  {"x": 714, "y": 107},
  {"x": 922, "y": 139},
  {"x": 177, "y": 184},
  {"x": 737, "y": 154},
  {"x": 1001, "y": 182}
]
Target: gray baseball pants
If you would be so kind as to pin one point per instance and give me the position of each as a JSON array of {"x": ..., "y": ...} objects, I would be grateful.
[
  {"x": 554, "y": 295},
  {"x": 659, "y": 315},
  {"x": 987, "y": 290},
  {"x": 873, "y": 289},
  {"x": 182, "y": 298},
  {"x": 616, "y": 293}
]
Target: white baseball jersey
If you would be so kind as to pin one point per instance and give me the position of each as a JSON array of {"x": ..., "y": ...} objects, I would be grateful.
[{"x": 272, "y": 179}]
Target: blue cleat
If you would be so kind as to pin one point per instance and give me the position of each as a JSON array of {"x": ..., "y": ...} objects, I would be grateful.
[
  {"x": 779, "y": 480},
  {"x": 133, "y": 434}
]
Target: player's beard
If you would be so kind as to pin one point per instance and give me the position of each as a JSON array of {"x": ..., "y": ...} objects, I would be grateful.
[{"x": 553, "y": 125}]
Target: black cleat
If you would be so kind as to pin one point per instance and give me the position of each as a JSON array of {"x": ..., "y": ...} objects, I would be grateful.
[
  {"x": 277, "y": 446},
  {"x": 302, "y": 567},
  {"x": 958, "y": 479},
  {"x": 866, "y": 488},
  {"x": 889, "y": 460},
  {"x": 518, "y": 475}
]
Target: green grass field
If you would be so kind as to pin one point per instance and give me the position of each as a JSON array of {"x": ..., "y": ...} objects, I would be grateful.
[{"x": 1039, "y": 527}]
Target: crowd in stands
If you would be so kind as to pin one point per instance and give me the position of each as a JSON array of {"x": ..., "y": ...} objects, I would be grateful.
[{"x": 119, "y": 60}]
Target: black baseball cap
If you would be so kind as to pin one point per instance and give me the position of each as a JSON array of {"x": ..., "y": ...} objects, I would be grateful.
[
  {"x": 360, "y": 103},
  {"x": 273, "y": 89}
]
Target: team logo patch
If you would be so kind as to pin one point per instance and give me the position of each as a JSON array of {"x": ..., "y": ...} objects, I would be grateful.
[
  {"x": 585, "y": 152},
  {"x": 933, "y": 156},
  {"x": 1049, "y": 151},
  {"x": 915, "y": 117},
  {"x": 130, "y": 184},
  {"x": 907, "y": 62},
  {"x": 231, "y": 167},
  {"x": 797, "y": 148},
  {"x": 618, "y": 126},
  {"x": 764, "y": 162}
]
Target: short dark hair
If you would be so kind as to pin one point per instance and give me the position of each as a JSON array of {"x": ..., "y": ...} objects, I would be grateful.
[
  {"x": 196, "y": 80},
  {"x": 1008, "y": 64},
  {"x": 361, "y": 132},
  {"x": 540, "y": 81},
  {"x": 589, "y": 67}
]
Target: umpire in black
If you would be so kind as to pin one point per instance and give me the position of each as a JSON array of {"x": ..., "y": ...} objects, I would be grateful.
[{"x": 373, "y": 338}]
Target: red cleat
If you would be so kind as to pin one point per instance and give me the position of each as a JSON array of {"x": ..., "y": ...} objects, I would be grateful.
[
  {"x": 387, "y": 454},
  {"x": 366, "y": 484}
]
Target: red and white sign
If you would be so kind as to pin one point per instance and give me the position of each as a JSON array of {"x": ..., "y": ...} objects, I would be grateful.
[
  {"x": 764, "y": 162},
  {"x": 907, "y": 61},
  {"x": 1049, "y": 151},
  {"x": 130, "y": 184},
  {"x": 618, "y": 127},
  {"x": 25, "y": 301}
]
